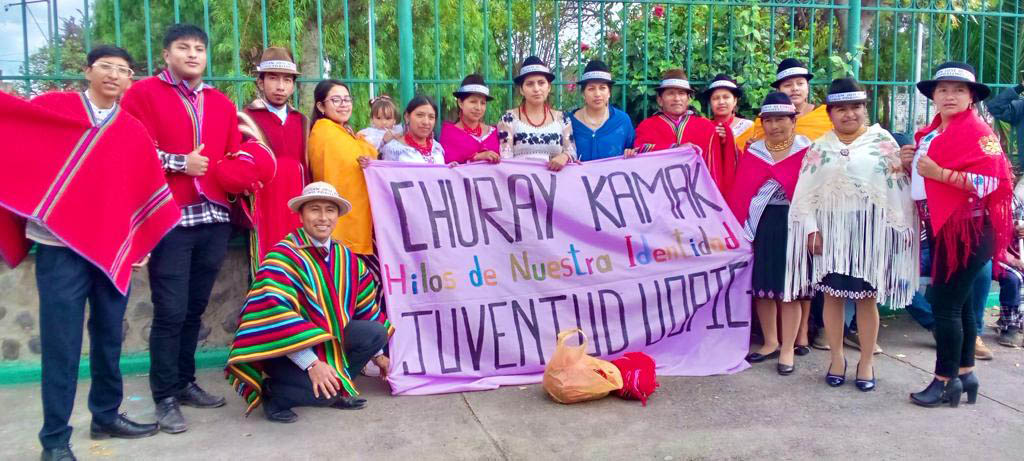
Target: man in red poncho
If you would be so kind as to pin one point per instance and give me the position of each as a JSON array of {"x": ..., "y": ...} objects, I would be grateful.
[
  {"x": 676, "y": 125},
  {"x": 83, "y": 183},
  {"x": 284, "y": 130}
]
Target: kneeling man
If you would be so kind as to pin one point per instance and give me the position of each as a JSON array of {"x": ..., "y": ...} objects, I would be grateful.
[{"x": 310, "y": 322}]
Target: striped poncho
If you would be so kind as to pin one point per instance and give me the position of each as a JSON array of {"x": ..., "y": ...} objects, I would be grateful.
[{"x": 300, "y": 299}]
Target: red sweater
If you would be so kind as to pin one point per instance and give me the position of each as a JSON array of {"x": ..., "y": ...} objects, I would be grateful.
[{"x": 170, "y": 122}]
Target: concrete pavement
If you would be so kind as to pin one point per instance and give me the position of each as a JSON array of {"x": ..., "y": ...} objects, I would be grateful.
[{"x": 755, "y": 414}]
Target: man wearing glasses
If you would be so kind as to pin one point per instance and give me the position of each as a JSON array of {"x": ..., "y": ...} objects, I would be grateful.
[
  {"x": 195, "y": 127},
  {"x": 69, "y": 152}
]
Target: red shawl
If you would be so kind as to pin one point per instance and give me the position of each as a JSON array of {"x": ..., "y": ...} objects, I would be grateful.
[
  {"x": 100, "y": 190},
  {"x": 967, "y": 145},
  {"x": 755, "y": 172},
  {"x": 658, "y": 132}
]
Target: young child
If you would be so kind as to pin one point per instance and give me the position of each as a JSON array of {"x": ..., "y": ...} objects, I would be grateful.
[{"x": 382, "y": 127}]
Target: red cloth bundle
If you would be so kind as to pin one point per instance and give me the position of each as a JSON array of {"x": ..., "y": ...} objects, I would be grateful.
[{"x": 638, "y": 378}]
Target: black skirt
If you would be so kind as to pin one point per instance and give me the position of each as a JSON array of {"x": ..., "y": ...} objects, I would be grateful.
[
  {"x": 846, "y": 286},
  {"x": 770, "y": 253}
]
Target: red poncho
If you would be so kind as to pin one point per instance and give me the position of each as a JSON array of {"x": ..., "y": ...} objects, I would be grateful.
[
  {"x": 658, "y": 132},
  {"x": 967, "y": 145},
  {"x": 99, "y": 189}
]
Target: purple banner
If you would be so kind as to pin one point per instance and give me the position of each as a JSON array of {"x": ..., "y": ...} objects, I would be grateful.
[{"x": 484, "y": 264}]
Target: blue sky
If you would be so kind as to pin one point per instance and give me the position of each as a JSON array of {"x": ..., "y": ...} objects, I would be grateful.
[{"x": 12, "y": 43}]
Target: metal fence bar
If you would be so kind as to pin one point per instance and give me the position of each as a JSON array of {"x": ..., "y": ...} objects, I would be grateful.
[{"x": 703, "y": 35}]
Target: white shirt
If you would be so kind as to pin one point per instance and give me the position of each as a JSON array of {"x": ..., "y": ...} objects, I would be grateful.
[
  {"x": 398, "y": 151},
  {"x": 280, "y": 112}
]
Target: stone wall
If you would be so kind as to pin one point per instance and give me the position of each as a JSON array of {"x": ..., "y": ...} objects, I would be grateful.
[{"x": 19, "y": 309}]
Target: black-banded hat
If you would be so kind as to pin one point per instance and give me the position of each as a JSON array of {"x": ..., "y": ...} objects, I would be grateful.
[
  {"x": 533, "y": 65},
  {"x": 278, "y": 60},
  {"x": 777, "y": 104},
  {"x": 791, "y": 68},
  {"x": 845, "y": 91},
  {"x": 596, "y": 72},
  {"x": 320, "y": 190},
  {"x": 953, "y": 71},
  {"x": 674, "y": 78},
  {"x": 723, "y": 82},
  {"x": 473, "y": 84}
]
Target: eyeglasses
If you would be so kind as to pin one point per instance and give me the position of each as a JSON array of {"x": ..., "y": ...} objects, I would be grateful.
[
  {"x": 340, "y": 101},
  {"x": 109, "y": 68}
]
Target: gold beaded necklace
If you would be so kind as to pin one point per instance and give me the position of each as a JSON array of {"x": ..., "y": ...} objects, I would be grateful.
[{"x": 780, "y": 147}]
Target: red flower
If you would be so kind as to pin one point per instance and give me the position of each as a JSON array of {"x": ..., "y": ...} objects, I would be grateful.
[
  {"x": 613, "y": 37},
  {"x": 659, "y": 11},
  {"x": 571, "y": 87},
  {"x": 584, "y": 47}
]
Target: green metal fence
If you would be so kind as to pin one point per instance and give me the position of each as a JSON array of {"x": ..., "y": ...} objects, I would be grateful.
[{"x": 406, "y": 46}]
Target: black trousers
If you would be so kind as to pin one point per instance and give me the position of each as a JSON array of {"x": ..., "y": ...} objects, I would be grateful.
[
  {"x": 66, "y": 281},
  {"x": 289, "y": 387},
  {"x": 182, "y": 270},
  {"x": 955, "y": 328}
]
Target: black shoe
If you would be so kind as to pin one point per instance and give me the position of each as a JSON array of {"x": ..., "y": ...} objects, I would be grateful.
[
  {"x": 58, "y": 454},
  {"x": 755, "y": 357},
  {"x": 801, "y": 350},
  {"x": 835, "y": 380},
  {"x": 970, "y": 383},
  {"x": 938, "y": 393},
  {"x": 349, "y": 403},
  {"x": 1009, "y": 337},
  {"x": 865, "y": 385},
  {"x": 784, "y": 369},
  {"x": 194, "y": 396},
  {"x": 280, "y": 416},
  {"x": 122, "y": 428},
  {"x": 169, "y": 417}
]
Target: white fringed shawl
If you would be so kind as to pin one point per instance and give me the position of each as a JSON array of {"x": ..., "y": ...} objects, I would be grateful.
[{"x": 858, "y": 197}]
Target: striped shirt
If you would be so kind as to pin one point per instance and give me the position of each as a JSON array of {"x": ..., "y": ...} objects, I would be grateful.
[{"x": 771, "y": 192}]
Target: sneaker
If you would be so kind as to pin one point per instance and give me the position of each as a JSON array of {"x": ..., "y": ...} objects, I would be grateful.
[
  {"x": 371, "y": 370},
  {"x": 852, "y": 340},
  {"x": 1010, "y": 337},
  {"x": 981, "y": 351},
  {"x": 819, "y": 342}
]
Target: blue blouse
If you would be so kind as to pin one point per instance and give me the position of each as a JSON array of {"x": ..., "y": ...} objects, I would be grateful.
[{"x": 615, "y": 136}]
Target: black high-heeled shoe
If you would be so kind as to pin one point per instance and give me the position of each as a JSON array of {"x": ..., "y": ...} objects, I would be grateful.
[
  {"x": 865, "y": 385},
  {"x": 938, "y": 393},
  {"x": 970, "y": 383},
  {"x": 835, "y": 380}
]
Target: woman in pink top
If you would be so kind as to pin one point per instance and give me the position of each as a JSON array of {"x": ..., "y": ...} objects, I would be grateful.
[{"x": 470, "y": 139}]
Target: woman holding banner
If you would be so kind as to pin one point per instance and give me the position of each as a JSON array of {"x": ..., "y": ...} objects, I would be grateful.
[
  {"x": 961, "y": 181},
  {"x": 761, "y": 201},
  {"x": 600, "y": 130},
  {"x": 334, "y": 150},
  {"x": 417, "y": 145},
  {"x": 470, "y": 139},
  {"x": 534, "y": 130},
  {"x": 853, "y": 215}
]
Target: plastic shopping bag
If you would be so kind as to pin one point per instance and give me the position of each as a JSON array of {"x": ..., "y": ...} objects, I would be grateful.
[{"x": 573, "y": 376}]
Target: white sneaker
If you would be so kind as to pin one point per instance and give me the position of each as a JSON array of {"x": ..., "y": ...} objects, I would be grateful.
[{"x": 371, "y": 370}]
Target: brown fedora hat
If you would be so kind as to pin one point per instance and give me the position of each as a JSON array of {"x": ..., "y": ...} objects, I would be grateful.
[{"x": 278, "y": 60}]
